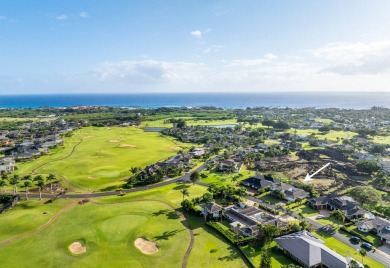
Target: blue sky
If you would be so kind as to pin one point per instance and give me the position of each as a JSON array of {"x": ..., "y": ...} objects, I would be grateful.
[{"x": 194, "y": 45}]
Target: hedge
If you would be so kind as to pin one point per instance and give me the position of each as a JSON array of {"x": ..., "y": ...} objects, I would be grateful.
[
  {"x": 354, "y": 233},
  {"x": 273, "y": 211}
]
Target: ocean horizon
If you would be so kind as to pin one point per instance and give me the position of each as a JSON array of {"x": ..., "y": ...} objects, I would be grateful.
[{"x": 343, "y": 100}]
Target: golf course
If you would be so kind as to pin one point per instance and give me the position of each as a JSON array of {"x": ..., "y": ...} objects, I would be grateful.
[
  {"x": 103, "y": 233},
  {"x": 99, "y": 158}
]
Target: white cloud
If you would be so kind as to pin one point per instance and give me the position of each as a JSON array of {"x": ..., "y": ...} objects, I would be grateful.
[
  {"x": 270, "y": 56},
  {"x": 197, "y": 34},
  {"x": 84, "y": 14},
  {"x": 62, "y": 17},
  {"x": 208, "y": 30},
  {"x": 355, "y": 58},
  {"x": 149, "y": 72},
  {"x": 211, "y": 49}
]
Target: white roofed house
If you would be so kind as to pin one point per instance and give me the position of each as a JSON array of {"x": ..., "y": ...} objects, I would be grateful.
[
  {"x": 376, "y": 225},
  {"x": 211, "y": 210},
  {"x": 7, "y": 165}
]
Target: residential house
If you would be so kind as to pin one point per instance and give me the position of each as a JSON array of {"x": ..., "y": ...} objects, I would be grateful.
[
  {"x": 197, "y": 152},
  {"x": 211, "y": 210},
  {"x": 7, "y": 165},
  {"x": 229, "y": 165},
  {"x": 310, "y": 251},
  {"x": 258, "y": 181},
  {"x": 376, "y": 225},
  {"x": 346, "y": 204},
  {"x": 290, "y": 192}
]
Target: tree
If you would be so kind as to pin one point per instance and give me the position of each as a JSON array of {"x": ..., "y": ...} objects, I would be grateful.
[
  {"x": 304, "y": 224},
  {"x": 353, "y": 264},
  {"x": 363, "y": 253},
  {"x": 195, "y": 177},
  {"x": 26, "y": 185},
  {"x": 207, "y": 197},
  {"x": 134, "y": 170},
  {"x": 366, "y": 195},
  {"x": 338, "y": 214},
  {"x": 14, "y": 182},
  {"x": 268, "y": 123},
  {"x": 367, "y": 166},
  {"x": 40, "y": 185},
  {"x": 181, "y": 123},
  {"x": 3, "y": 183},
  {"x": 268, "y": 232},
  {"x": 187, "y": 204},
  {"x": 184, "y": 192},
  {"x": 51, "y": 177},
  {"x": 234, "y": 180},
  {"x": 281, "y": 125},
  {"x": 265, "y": 261}
]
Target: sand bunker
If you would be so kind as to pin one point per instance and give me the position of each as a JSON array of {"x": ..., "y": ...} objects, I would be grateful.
[
  {"x": 114, "y": 140},
  {"x": 174, "y": 148},
  {"x": 127, "y": 145},
  {"x": 77, "y": 248},
  {"x": 146, "y": 246},
  {"x": 92, "y": 177}
]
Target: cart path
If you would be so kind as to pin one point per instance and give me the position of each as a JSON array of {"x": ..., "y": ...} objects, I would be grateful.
[{"x": 51, "y": 220}]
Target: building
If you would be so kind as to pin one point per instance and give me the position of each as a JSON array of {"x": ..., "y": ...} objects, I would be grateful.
[
  {"x": 7, "y": 165},
  {"x": 310, "y": 251},
  {"x": 376, "y": 225},
  {"x": 346, "y": 204},
  {"x": 290, "y": 192},
  {"x": 258, "y": 182},
  {"x": 211, "y": 210}
]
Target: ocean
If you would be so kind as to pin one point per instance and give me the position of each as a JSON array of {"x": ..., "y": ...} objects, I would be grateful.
[{"x": 347, "y": 100}]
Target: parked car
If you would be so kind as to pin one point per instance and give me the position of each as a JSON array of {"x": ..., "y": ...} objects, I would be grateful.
[
  {"x": 320, "y": 217},
  {"x": 355, "y": 239},
  {"x": 366, "y": 246}
]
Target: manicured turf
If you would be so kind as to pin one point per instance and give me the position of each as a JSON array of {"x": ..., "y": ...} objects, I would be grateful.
[
  {"x": 108, "y": 231},
  {"x": 104, "y": 156},
  {"x": 220, "y": 178},
  {"x": 306, "y": 211},
  {"x": 346, "y": 250},
  {"x": 27, "y": 216}
]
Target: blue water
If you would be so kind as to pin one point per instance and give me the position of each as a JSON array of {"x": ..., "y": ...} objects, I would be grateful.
[{"x": 225, "y": 100}]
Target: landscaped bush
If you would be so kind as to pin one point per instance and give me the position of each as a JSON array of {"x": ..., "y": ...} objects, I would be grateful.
[{"x": 228, "y": 234}]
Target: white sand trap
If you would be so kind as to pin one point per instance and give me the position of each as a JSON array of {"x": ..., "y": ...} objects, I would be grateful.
[
  {"x": 114, "y": 140},
  {"x": 127, "y": 145},
  {"x": 77, "y": 248},
  {"x": 146, "y": 246}
]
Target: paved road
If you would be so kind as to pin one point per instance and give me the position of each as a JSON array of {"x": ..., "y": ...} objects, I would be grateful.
[
  {"x": 185, "y": 177},
  {"x": 373, "y": 255}
]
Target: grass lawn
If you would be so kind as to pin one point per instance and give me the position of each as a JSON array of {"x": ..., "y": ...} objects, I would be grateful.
[
  {"x": 211, "y": 249},
  {"x": 278, "y": 259},
  {"x": 220, "y": 178},
  {"x": 382, "y": 139},
  {"x": 27, "y": 216},
  {"x": 346, "y": 250},
  {"x": 306, "y": 211},
  {"x": 190, "y": 122},
  {"x": 331, "y": 221},
  {"x": 104, "y": 156},
  {"x": 267, "y": 197}
]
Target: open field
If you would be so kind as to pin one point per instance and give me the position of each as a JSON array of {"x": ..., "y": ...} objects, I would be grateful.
[
  {"x": 190, "y": 122},
  {"x": 103, "y": 156},
  {"x": 220, "y": 178}
]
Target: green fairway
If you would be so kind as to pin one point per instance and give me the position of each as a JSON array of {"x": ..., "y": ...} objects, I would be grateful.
[
  {"x": 27, "y": 216},
  {"x": 108, "y": 232},
  {"x": 103, "y": 156}
]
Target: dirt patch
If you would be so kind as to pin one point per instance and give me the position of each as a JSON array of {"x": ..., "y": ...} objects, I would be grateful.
[
  {"x": 77, "y": 248},
  {"x": 127, "y": 145},
  {"x": 88, "y": 137},
  {"x": 173, "y": 148},
  {"x": 114, "y": 140},
  {"x": 92, "y": 177},
  {"x": 146, "y": 246}
]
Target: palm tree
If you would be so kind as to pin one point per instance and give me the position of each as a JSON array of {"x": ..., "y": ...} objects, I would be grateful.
[
  {"x": 363, "y": 252},
  {"x": 238, "y": 229},
  {"x": 185, "y": 192},
  {"x": 14, "y": 182},
  {"x": 26, "y": 185},
  {"x": 51, "y": 177},
  {"x": 234, "y": 180},
  {"x": 222, "y": 212},
  {"x": 134, "y": 170},
  {"x": 40, "y": 184}
]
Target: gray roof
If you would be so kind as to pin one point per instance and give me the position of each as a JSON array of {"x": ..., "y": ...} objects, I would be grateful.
[
  {"x": 311, "y": 250},
  {"x": 211, "y": 207}
]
